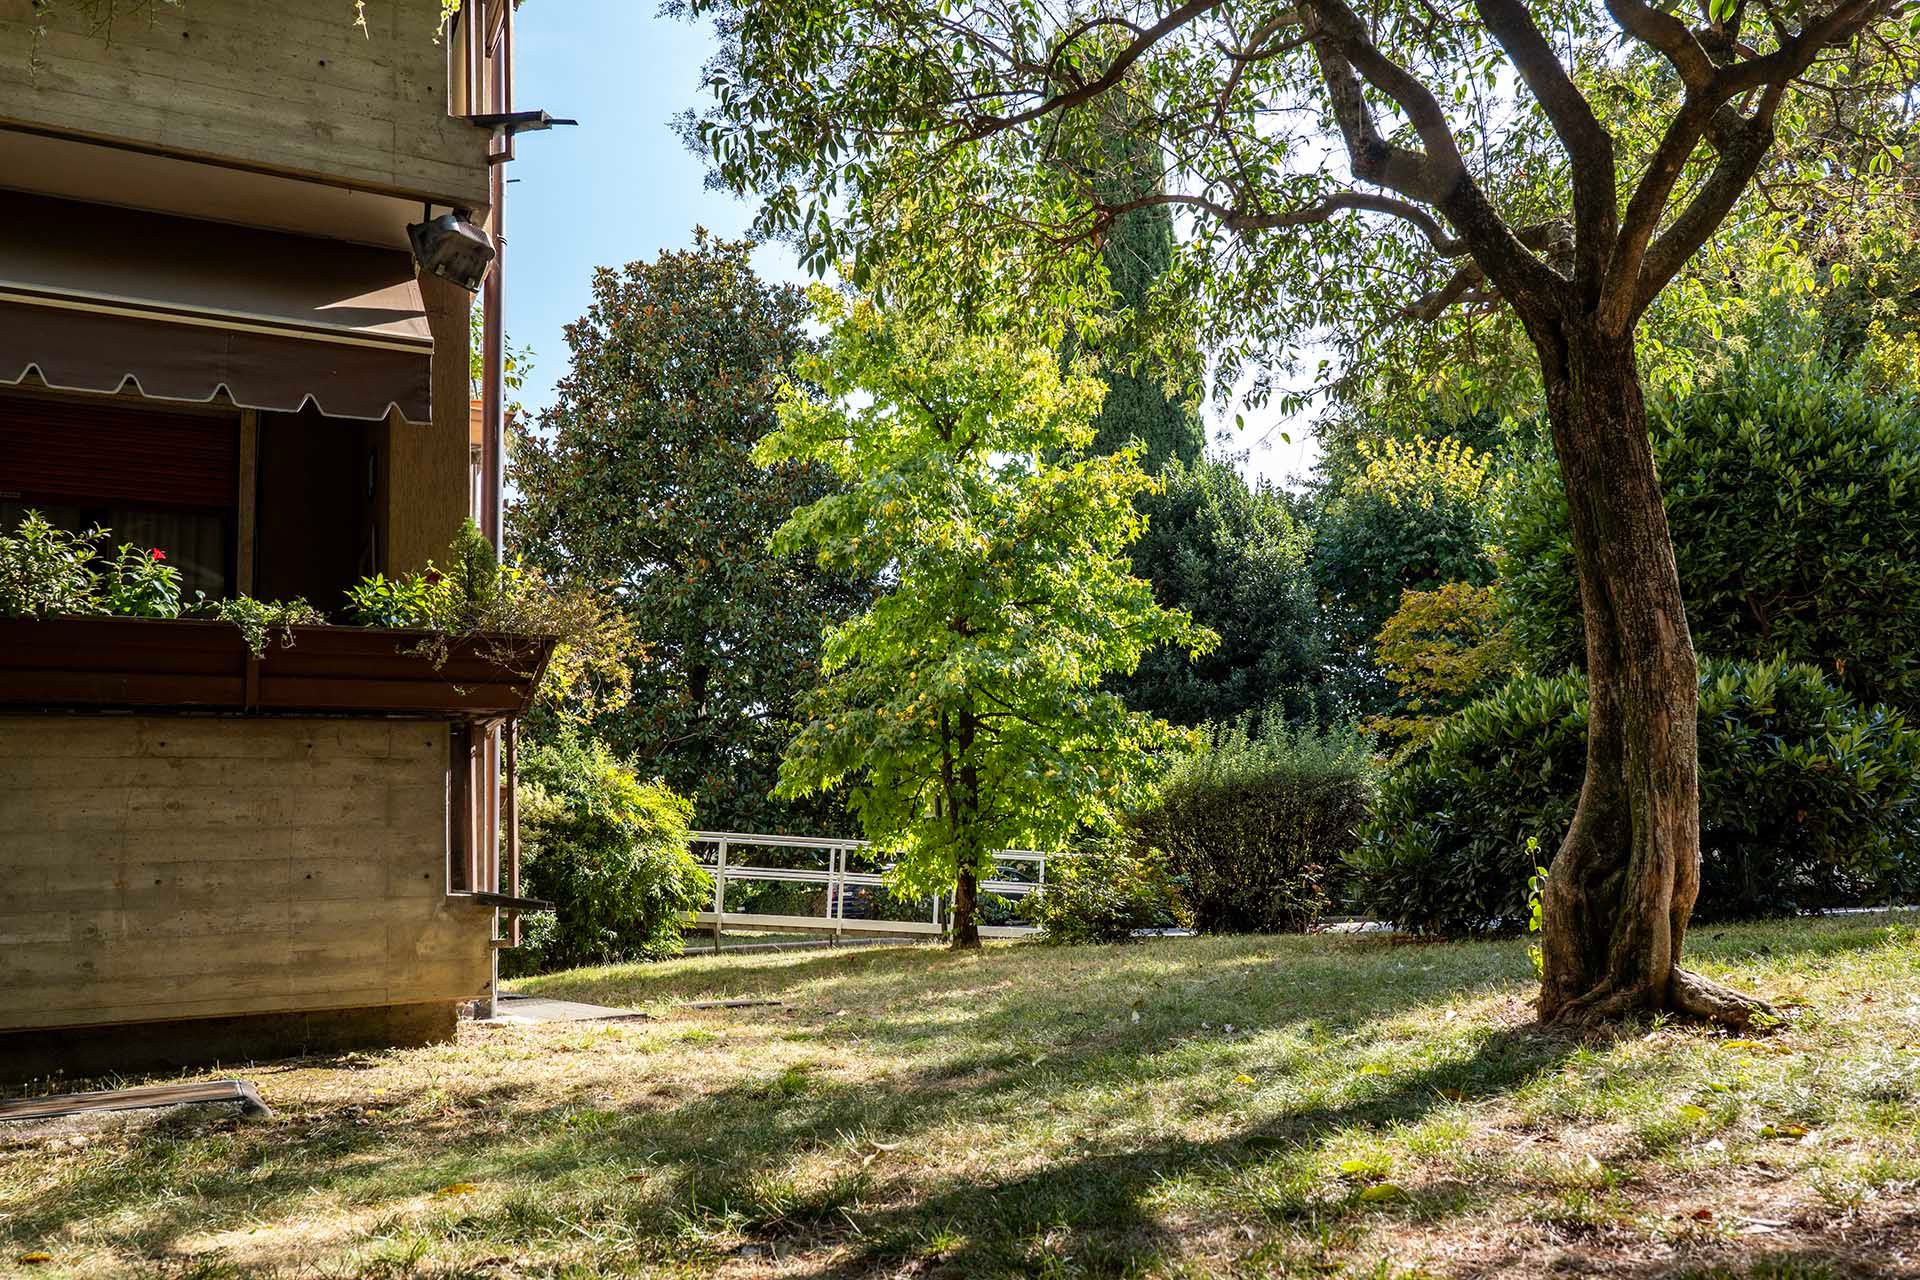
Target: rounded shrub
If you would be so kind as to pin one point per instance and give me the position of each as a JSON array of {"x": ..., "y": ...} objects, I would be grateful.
[
  {"x": 1807, "y": 800},
  {"x": 1256, "y": 828},
  {"x": 1104, "y": 891},
  {"x": 1794, "y": 501},
  {"x": 609, "y": 851}
]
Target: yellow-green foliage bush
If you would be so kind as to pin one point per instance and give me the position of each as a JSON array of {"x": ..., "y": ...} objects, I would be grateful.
[{"x": 610, "y": 852}]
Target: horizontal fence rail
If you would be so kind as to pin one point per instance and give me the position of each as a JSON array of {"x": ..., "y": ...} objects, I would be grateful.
[{"x": 803, "y": 884}]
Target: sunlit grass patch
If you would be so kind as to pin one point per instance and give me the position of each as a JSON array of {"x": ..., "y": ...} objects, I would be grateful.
[{"x": 1195, "y": 1107}]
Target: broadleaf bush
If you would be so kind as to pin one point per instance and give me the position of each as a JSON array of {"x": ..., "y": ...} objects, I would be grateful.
[
  {"x": 1793, "y": 495},
  {"x": 1103, "y": 891},
  {"x": 1808, "y": 800},
  {"x": 610, "y": 851},
  {"x": 1256, "y": 827}
]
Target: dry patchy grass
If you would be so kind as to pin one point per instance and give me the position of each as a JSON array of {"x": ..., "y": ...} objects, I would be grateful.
[{"x": 1204, "y": 1107}]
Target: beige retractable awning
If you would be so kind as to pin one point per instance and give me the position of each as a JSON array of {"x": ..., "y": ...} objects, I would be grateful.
[{"x": 92, "y": 297}]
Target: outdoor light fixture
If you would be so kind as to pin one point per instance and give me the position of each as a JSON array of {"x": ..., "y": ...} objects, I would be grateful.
[
  {"x": 452, "y": 248},
  {"x": 506, "y": 124}
]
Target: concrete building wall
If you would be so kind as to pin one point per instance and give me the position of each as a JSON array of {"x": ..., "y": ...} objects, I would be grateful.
[
  {"x": 285, "y": 86},
  {"x": 157, "y": 867}
]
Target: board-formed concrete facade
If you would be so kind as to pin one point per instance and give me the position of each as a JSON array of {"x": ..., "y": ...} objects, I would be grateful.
[
  {"x": 178, "y": 885},
  {"x": 288, "y": 86},
  {"x": 168, "y": 867}
]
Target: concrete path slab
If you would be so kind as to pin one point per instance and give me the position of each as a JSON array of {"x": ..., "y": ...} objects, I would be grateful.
[{"x": 516, "y": 1008}]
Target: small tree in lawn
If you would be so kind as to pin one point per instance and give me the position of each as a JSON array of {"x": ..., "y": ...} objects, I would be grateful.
[{"x": 966, "y": 704}]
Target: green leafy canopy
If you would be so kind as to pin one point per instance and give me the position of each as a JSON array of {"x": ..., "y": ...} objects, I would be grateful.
[
  {"x": 967, "y": 701},
  {"x": 1376, "y": 179}
]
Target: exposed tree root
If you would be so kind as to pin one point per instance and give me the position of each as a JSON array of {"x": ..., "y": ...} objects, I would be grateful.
[
  {"x": 1696, "y": 997},
  {"x": 1688, "y": 995}
]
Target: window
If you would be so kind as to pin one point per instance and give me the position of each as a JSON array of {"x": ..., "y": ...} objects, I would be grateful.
[{"x": 164, "y": 479}]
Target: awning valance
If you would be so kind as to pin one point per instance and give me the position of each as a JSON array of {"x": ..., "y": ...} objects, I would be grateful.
[{"x": 92, "y": 297}]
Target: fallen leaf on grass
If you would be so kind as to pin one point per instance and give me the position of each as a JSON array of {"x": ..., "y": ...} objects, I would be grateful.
[
  {"x": 1243, "y": 1078},
  {"x": 1756, "y": 1046},
  {"x": 1383, "y": 1193},
  {"x": 1691, "y": 1113},
  {"x": 457, "y": 1189}
]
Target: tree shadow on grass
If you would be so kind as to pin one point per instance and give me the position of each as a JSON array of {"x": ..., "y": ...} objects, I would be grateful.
[
  {"x": 641, "y": 1169},
  {"x": 1096, "y": 1209}
]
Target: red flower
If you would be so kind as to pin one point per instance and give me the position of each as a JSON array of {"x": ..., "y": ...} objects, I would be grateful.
[{"x": 158, "y": 554}]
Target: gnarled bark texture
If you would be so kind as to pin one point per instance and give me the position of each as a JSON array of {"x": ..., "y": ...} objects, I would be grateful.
[{"x": 1623, "y": 884}]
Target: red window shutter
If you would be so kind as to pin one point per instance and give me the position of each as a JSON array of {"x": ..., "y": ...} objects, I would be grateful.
[{"x": 64, "y": 451}]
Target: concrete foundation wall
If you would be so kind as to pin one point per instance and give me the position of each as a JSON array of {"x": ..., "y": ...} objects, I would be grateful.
[{"x": 156, "y": 868}]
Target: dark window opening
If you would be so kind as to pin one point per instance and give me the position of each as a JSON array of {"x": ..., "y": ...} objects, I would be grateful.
[
  {"x": 317, "y": 512},
  {"x": 156, "y": 479}
]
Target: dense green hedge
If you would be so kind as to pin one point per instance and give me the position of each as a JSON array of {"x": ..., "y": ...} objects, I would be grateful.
[
  {"x": 610, "y": 851},
  {"x": 1256, "y": 828},
  {"x": 1807, "y": 800},
  {"x": 1794, "y": 500}
]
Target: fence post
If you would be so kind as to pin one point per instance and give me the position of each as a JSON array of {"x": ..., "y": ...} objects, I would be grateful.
[
  {"x": 836, "y": 889},
  {"x": 719, "y": 895}
]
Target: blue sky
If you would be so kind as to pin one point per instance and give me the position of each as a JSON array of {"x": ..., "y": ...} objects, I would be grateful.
[{"x": 621, "y": 187}]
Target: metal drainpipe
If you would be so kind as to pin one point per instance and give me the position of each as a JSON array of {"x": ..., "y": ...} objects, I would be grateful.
[{"x": 493, "y": 427}]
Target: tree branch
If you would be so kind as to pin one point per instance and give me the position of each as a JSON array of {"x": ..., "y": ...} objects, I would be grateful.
[
  {"x": 1435, "y": 176},
  {"x": 1666, "y": 33},
  {"x": 1116, "y": 71},
  {"x": 1588, "y": 145}
]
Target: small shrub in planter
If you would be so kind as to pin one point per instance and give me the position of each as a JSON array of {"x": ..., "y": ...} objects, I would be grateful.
[
  {"x": 1256, "y": 827},
  {"x": 610, "y": 852},
  {"x": 1102, "y": 892},
  {"x": 1807, "y": 799}
]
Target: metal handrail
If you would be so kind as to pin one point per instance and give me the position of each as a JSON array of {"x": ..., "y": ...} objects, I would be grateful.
[{"x": 837, "y": 879}]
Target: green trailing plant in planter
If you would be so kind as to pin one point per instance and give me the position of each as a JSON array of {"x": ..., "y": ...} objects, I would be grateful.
[
  {"x": 46, "y": 572},
  {"x": 476, "y": 597},
  {"x": 261, "y": 621}
]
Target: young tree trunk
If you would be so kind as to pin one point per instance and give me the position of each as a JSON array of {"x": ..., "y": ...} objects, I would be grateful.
[
  {"x": 966, "y": 923},
  {"x": 1623, "y": 884},
  {"x": 966, "y": 811}
]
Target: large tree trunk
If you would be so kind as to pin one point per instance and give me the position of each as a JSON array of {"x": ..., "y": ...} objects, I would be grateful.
[
  {"x": 966, "y": 922},
  {"x": 1623, "y": 883}
]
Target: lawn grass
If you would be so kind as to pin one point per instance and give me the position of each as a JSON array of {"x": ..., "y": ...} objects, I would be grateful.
[{"x": 1188, "y": 1107}]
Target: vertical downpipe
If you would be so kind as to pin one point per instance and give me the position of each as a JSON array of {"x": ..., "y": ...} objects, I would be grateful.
[{"x": 498, "y": 79}]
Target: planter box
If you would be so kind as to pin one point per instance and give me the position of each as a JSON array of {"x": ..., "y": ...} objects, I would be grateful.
[{"x": 128, "y": 663}]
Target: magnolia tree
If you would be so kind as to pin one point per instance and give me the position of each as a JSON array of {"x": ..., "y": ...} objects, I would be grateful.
[
  {"x": 1362, "y": 166},
  {"x": 966, "y": 705}
]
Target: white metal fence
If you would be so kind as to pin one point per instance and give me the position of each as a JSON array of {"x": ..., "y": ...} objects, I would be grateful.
[{"x": 799, "y": 884}]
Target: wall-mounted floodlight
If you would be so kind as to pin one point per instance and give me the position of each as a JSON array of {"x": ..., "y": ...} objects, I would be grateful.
[
  {"x": 452, "y": 248},
  {"x": 505, "y": 124}
]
